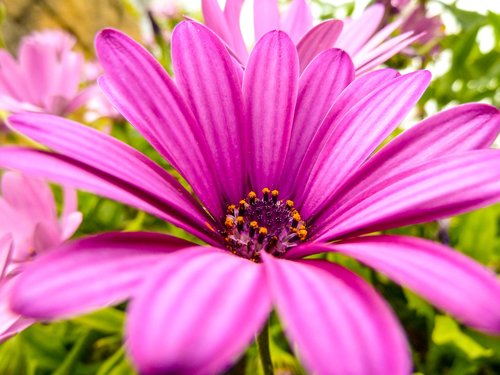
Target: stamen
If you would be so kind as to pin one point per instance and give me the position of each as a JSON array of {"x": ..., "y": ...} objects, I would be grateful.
[
  {"x": 265, "y": 193},
  {"x": 229, "y": 223},
  {"x": 262, "y": 235},
  {"x": 241, "y": 208},
  {"x": 240, "y": 221},
  {"x": 274, "y": 194},
  {"x": 251, "y": 197},
  {"x": 253, "y": 227},
  {"x": 267, "y": 224}
]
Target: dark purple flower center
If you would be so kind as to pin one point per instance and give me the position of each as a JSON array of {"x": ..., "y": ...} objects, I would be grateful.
[{"x": 266, "y": 224}]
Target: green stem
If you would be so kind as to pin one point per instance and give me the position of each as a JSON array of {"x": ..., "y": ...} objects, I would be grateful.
[{"x": 265, "y": 354}]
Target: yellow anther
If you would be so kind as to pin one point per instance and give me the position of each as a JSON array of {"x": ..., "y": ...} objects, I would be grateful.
[
  {"x": 296, "y": 216},
  {"x": 242, "y": 202},
  {"x": 302, "y": 233},
  {"x": 289, "y": 204},
  {"x": 274, "y": 194},
  {"x": 252, "y": 196},
  {"x": 229, "y": 223},
  {"x": 231, "y": 208},
  {"x": 263, "y": 231},
  {"x": 266, "y": 191},
  {"x": 240, "y": 220},
  {"x": 254, "y": 225}
]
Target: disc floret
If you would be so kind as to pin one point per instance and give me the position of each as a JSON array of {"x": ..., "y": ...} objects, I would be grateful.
[{"x": 266, "y": 224}]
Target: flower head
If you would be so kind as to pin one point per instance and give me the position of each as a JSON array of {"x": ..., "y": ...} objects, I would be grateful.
[
  {"x": 283, "y": 165},
  {"x": 367, "y": 45},
  {"x": 29, "y": 227},
  {"x": 45, "y": 77}
]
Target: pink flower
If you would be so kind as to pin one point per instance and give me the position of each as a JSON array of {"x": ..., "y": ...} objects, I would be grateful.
[
  {"x": 46, "y": 76},
  {"x": 361, "y": 38},
  {"x": 29, "y": 226},
  {"x": 231, "y": 133}
]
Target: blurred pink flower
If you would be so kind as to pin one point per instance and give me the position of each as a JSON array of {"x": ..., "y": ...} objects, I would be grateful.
[
  {"x": 232, "y": 132},
  {"x": 361, "y": 38},
  {"x": 46, "y": 76},
  {"x": 29, "y": 226}
]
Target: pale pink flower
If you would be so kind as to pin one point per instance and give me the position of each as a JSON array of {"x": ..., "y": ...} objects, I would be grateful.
[
  {"x": 29, "y": 226},
  {"x": 46, "y": 76}
]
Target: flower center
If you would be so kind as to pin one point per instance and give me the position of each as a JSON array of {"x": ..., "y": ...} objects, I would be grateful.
[{"x": 267, "y": 224}]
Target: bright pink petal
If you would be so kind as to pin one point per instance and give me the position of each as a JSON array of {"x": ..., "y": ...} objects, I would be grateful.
[
  {"x": 266, "y": 17},
  {"x": 318, "y": 39},
  {"x": 462, "y": 128},
  {"x": 232, "y": 12},
  {"x": 87, "y": 274},
  {"x": 10, "y": 322},
  {"x": 141, "y": 90},
  {"x": 337, "y": 321},
  {"x": 297, "y": 19},
  {"x": 196, "y": 314},
  {"x": 206, "y": 75},
  {"x": 12, "y": 80},
  {"x": 356, "y": 135},
  {"x": 270, "y": 88},
  {"x": 108, "y": 155},
  {"x": 319, "y": 86},
  {"x": 72, "y": 173},
  {"x": 370, "y": 60},
  {"x": 448, "y": 279},
  {"x": 5, "y": 252},
  {"x": 433, "y": 190},
  {"x": 357, "y": 32}
]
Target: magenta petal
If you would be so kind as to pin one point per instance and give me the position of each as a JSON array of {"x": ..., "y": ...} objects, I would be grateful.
[
  {"x": 142, "y": 91},
  {"x": 356, "y": 135},
  {"x": 5, "y": 252},
  {"x": 357, "y": 32},
  {"x": 337, "y": 321},
  {"x": 266, "y": 17},
  {"x": 448, "y": 279},
  {"x": 72, "y": 173},
  {"x": 270, "y": 86},
  {"x": 87, "y": 274},
  {"x": 297, "y": 19},
  {"x": 319, "y": 86},
  {"x": 462, "y": 128},
  {"x": 196, "y": 314},
  {"x": 206, "y": 75},
  {"x": 232, "y": 12},
  {"x": 108, "y": 155},
  {"x": 433, "y": 190},
  {"x": 318, "y": 39}
]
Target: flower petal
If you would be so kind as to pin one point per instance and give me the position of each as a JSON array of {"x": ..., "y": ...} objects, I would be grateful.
[
  {"x": 462, "y": 128},
  {"x": 232, "y": 12},
  {"x": 5, "y": 252},
  {"x": 448, "y": 279},
  {"x": 329, "y": 313},
  {"x": 108, "y": 155},
  {"x": 138, "y": 86},
  {"x": 206, "y": 75},
  {"x": 433, "y": 190},
  {"x": 319, "y": 86},
  {"x": 297, "y": 19},
  {"x": 270, "y": 86},
  {"x": 356, "y": 33},
  {"x": 321, "y": 37},
  {"x": 212, "y": 300},
  {"x": 266, "y": 17},
  {"x": 90, "y": 273},
  {"x": 72, "y": 173},
  {"x": 355, "y": 136}
]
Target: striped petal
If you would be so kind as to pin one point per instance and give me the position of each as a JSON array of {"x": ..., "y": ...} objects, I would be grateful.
[
  {"x": 270, "y": 86},
  {"x": 206, "y": 75},
  {"x": 328, "y": 313},
  {"x": 88, "y": 274},
  {"x": 212, "y": 300},
  {"x": 448, "y": 279},
  {"x": 297, "y": 19},
  {"x": 138, "y": 86}
]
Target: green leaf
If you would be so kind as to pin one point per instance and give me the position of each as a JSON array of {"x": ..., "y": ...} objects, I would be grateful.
[{"x": 108, "y": 320}]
